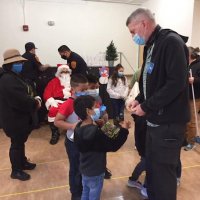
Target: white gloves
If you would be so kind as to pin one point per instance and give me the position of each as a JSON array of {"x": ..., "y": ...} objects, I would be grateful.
[{"x": 51, "y": 102}]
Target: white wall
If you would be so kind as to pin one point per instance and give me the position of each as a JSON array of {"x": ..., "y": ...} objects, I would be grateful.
[
  {"x": 196, "y": 25},
  {"x": 86, "y": 27},
  {"x": 174, "y": 14}
]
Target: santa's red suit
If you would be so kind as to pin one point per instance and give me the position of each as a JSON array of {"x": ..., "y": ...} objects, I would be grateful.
[{"x": 57, "y": 91}]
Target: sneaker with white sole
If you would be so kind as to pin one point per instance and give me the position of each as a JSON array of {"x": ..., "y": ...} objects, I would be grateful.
[
  {"x": 134, "y": 184},
  {"x": 143, "y": 192},
  {"x": 189, "y": 147},
  {"x": 178, "y": 180}
]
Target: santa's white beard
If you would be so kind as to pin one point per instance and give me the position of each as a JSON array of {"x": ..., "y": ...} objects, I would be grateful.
[{"x": 64, "y": 80}]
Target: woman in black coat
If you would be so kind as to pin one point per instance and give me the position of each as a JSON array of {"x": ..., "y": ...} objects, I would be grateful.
[{"x": 17, "y": 106}]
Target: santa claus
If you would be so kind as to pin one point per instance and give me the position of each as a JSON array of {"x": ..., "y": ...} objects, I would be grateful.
[{"x": 55, "y": 93}]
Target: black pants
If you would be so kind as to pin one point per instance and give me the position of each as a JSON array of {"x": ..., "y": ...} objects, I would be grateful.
[
  {"x": 163, "y": 145},
  {"x": 17, "y": 151},
  {"x": 118, "y": 108},
  {"x": 75, "y": 179}
]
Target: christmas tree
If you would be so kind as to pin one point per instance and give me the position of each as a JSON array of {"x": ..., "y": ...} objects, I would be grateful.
[{"x": 111, "y": 52}]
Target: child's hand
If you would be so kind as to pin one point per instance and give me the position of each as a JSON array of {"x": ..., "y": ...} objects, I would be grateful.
[
  {"x": 100, "y": 122},
  {"x": 105, "y": 117},
  {"x": 74, "y": 126},
  {"x": 126, "y": 124}
]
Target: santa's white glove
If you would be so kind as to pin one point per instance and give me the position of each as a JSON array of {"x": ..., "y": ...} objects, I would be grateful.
[
  {"x": 51, "y": 102},
  {"x": 54, "y": 104}
]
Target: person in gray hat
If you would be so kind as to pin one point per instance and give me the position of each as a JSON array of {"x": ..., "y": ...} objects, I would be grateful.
[{"x": 17, "y": 105}]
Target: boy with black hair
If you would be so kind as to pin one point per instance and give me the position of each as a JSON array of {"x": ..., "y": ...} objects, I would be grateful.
[
  {"x": 93, "y": 144},
  {"x": 67, "y": 119},
  {"x": 93, "y": 90}
]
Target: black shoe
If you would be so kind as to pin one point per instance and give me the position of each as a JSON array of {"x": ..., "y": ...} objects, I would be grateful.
[
  {"x": 54, "y": 138},
  {"x": 75, "y": 197},
  {"x": 19, "y": 174},
  {"x": 107, "y": 174},
  {"x": 29, "y": 166}
]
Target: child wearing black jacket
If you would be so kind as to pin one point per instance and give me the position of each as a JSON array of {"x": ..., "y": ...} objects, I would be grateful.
[{"x": 93, "y": 144}]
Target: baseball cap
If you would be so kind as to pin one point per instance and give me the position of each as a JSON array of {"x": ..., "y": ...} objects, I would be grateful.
[{"x": 29, "y": 46}]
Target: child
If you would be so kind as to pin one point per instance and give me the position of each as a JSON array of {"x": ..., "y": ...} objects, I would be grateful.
[
  {"x": 67, "y": 119},
  {"x": 93, "y": 144},
  {"x": 93, "y": 90},
  {"x": 117, "y": 89}
]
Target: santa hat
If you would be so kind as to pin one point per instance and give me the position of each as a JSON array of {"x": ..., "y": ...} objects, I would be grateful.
[{"x": 60, "y": 68}]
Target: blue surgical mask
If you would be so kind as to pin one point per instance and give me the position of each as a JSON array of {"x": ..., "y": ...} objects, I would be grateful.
[
  {"x": 78, "y": 94},
  {"x": 17, "y": 67},
  {"x": 93, "y": 93},
  {"x": 96, "y": 116},
  {"x": 120, "y": 74},
  {"x": 138, "y": 39}
]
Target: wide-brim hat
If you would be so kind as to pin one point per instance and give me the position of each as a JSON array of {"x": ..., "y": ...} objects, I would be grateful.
[{"x": 11, "y": 56}]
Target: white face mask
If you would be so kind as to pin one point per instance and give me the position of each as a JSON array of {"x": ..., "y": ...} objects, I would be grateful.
[{"x": 93, "y": 92}]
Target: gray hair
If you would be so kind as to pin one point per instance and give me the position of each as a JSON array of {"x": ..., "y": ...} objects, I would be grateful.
[{"x": 140, "y": 12}]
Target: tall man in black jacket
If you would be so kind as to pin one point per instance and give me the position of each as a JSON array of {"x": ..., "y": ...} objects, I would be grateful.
[{"x": 163, "y": 98}]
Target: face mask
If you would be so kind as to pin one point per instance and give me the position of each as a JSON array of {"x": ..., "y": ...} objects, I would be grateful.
[
  {"x": 17, "y": 67},
  {"x": 93, "y": 93},
  {"x": 138, "y": 39},
  {"x": 120, "y": 74},
  {"x": 78, "y": 94},
  {"x": 65, "y": 76},
  {"x": 96, "y": 116},
  {"x": 64, "y": 57}
]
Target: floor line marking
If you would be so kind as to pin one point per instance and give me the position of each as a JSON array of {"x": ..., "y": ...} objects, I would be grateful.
[
  {"x": 65, "y": 186},
  {"x": 34, "y": 191}
]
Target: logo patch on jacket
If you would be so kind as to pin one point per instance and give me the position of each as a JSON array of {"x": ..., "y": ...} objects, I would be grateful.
[{"x": 150, "y": 67}]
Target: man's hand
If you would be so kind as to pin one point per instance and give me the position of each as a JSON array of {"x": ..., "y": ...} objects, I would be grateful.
[
  {"x": 138, "y": 111},
  {"x": 191, "y": 79},
  {"x": 39, "y": 101},
  {"x": 131, "y": 105}
]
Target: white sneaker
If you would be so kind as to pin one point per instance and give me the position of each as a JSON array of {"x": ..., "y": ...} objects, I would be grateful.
[
  {"x": 134, "y": 184},
  {"x": 189, "y": 147},
  {"x": 178, "y": 181},
  {"x": 143, "y": 192}
]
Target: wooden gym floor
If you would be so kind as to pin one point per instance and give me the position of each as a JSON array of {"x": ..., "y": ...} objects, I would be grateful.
[{"x": 50, "y": 178}]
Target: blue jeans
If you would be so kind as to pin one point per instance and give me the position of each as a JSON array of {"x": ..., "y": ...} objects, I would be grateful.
[
  {"x": 74, "y": 172},
  {"x": 92, "y": 187}
]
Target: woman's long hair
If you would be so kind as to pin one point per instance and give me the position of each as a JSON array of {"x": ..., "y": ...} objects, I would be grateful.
[{"x": 115, "y": 76}]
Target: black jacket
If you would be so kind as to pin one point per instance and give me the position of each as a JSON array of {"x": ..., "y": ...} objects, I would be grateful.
[
  {"x": 81, "y": 66},
  {"x": 195, "y": 66},
  {"x": 31, "y": 67},
  {"x": 93, "y": 145},
  {"x": 16, "y": 105},
  {"x": 167, "y": 98}
]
